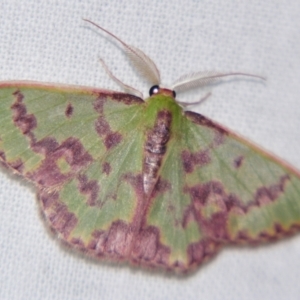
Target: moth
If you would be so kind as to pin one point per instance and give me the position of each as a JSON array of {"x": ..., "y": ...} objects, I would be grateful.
[{"x": 143, "y": 181}]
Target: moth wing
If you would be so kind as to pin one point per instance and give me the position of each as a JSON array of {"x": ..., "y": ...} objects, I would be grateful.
[
  {"x": 217, "y": 188},
  {"x": 83, "y": 150}
]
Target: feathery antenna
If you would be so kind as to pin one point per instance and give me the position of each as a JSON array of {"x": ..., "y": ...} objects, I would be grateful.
[
  {"x": 139, "y": 59},
  {"x": 200, "y": 79}
]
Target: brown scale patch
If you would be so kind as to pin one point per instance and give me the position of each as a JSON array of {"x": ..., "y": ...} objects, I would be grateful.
[
  {"x": 120, "y": 97},
  {"x": 264, "y": 236},
  {"x": 191, "y": 160},
  {"x": 62, "y": 220},
  {"x": 146, "y": 244},
  {"x": 201, "y": 251},
  {"x": 148, "y": 249},
  {"x": 201, "y": 120},
  {"x": 99, "y": 103},
  {"x": 126, "y": 98},
  {"x": 49, "y": 173},
  {"x": 119, "y": 240},
  {"x": 136, "y": 181},
  {"x": 233, "y": 202},
  {"x": 171, "y": 208},
  {"x": 212, "y": 196},
  {"x": 106, "y": 168},
  {"x": 187, "y": 161},
  {"x": 102, "y": 127},
  {"x": 112, "y": 140},
  {"x": 78, "y": 244},
  {"x": 216, "y": 226},
  {"x": 96, "y": 246},
  {"x": 210, "y": 207},
  {"x": 200, "y": 192},
  {"x": 45, "y": 146},
  {"x": 90, "y": 188},
  {"x": 7, "y": 165},
  {"x": 47, "y": 199},
  {"x": 265, "y": 195},
  {"x": 237, "y": 163},
  {"x": 25, "y": 122},
  {"x": 57, "y": 213},
  {"x": 278, "y": 228},
  {"x": 242, "y": 237},
  {"x": 178, "y": 266},
  {"x": 69, "y": 110},
  {"x": 74, "y": 153},
  {"x": 219, "y": 139},
  {"x": 119, "y": 243},
  {"x": 161, "y": 186}
]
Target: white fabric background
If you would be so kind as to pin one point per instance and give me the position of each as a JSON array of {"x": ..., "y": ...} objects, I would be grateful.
[{"x": 48, "y": 41}]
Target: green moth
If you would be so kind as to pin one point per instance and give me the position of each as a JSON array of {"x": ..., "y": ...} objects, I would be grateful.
[{"x": 143, "y": 181}]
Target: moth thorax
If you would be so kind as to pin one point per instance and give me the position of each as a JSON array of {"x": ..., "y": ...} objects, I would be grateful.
[{"x": 155, "y": 148}]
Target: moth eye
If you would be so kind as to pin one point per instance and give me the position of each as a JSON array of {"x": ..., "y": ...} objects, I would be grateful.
[
  {"x": 154, "y": 90},
  {"x": 174, "y": 94}
]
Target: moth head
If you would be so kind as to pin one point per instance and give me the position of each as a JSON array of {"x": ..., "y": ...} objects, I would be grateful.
[{"x": 156, "y": 89}]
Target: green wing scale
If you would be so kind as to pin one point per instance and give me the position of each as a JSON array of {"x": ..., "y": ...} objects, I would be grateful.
[{"x": 124, "y": 179}]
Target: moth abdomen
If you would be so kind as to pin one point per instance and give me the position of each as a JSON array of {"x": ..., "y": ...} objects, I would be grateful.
[{"x": 155, "y": 148}]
